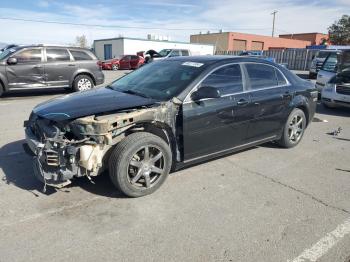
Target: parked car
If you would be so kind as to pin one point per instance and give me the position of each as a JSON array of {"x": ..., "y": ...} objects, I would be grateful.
[
  {"x": 318, "y": 61},
  {"x": 152, "y": 55},
  {"x": 37, "y": 66},
  {"x": 335, "y": 63},
  {"x": 336, "y": 93},
  {"x": 123, "y": 62},
  {"x": 169, "y": 114}
]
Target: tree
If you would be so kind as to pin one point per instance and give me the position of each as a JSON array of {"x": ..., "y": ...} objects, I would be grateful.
[
  {"x": 339, "y": 32},
  {"x": 81, "y": 41}
]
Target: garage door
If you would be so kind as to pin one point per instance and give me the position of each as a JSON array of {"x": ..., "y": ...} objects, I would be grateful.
[
  {"x": 239, "y": 45},
  {"x": 257, "y": 45}
]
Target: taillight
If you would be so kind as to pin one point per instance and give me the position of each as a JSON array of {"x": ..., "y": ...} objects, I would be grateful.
[{"x": 99, "y": 63}]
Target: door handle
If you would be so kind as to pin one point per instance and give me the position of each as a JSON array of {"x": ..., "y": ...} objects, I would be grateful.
[
  {"x": 242, "y": 102},
  {"x": 71, "y": 65}
]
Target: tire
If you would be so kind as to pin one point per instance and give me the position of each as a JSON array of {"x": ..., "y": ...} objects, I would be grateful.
[
  {"x": 1, "y": 89},
  {"x": 131, "y": 172},
  {"x": 292, "y": 131},
  {"x": 82, "y": 83},
  {"x": 115, "y": 67},
  {"x": 328, "y": 106}
]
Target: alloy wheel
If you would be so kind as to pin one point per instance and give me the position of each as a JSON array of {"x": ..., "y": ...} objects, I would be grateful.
[
  {"x": 84, "y": 84},
  {"x": 296, "y": 128},
  {"x": 146, "y": 166}
]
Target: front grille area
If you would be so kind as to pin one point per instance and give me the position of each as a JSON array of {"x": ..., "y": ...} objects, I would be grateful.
[
  {"x": 343, "y": 89},
  {"x": 52, "y": 158}
]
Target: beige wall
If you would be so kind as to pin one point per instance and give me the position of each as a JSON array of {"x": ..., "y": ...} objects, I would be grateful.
[{"x": 220, "y": 40}]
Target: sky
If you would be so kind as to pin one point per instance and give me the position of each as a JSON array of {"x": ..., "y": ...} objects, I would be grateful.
[{"x": 176, "y": 19}]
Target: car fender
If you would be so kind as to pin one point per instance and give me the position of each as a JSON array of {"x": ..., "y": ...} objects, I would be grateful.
[
  {"x": 81, "y": 72},
  {"x": 301, "y": 102}
]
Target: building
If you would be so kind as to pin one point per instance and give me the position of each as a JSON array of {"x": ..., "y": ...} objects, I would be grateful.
[
  {"x": 232, "y": 41},
  {"x": 115, "y": 47},
  {"x": 314, "y": 38}
]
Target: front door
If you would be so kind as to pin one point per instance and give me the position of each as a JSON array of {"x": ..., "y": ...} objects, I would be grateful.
[
  {"x": 214, "y": 125},
  {"x": 270, "y": 100},
  {"x": 124, "y": 63},
  {"x": 59, "y": 68},
  {"x": 28, "y": 72}
]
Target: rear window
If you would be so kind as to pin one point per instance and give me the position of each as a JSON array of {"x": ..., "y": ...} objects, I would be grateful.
[
  {"x": 261, "y": 76},
  {"x": 80, "y": 55},
  {"x": 56, "y": 54}
]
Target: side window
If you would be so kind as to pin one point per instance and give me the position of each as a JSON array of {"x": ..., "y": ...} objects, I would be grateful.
[
  {"x": 280, "y": 78},
  {"x": 175, "y": 53},
  {"x": 330, "y": 63},
  {"x": 126, "y": 58},
  {"x": 227, "y": 80},
  {"x": 29, "y": 56},
  {"x": 134, "y": 57},
  {"x": 185, "y": 53},
  {"x": 80, "y": 55},
  {"x": 261, "y": 76},
  {"x": 57, "y": 55}
]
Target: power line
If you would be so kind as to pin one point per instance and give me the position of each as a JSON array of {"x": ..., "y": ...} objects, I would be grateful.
[{"x": 119, "y": 26}]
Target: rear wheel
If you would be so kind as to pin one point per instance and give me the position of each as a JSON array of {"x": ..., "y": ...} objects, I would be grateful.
[
  {"x": 294, "y": 128},
  {"x": 82, "y": 83},
  {"x": 140, "y": 164}
]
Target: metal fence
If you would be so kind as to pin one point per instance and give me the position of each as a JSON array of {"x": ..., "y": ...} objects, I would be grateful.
[{"x": 295, "y": 59}]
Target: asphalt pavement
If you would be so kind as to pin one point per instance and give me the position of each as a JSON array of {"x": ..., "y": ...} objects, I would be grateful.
[{"x": 262, "y": 204}]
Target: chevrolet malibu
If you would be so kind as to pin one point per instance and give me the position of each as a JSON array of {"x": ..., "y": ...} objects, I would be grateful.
[{"x": 165, "y": 116}]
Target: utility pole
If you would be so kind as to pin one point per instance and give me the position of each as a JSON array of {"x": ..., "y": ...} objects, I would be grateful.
[{"x": 273, "y": 23}]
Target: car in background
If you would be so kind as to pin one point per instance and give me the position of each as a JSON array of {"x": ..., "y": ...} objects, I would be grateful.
[
  {"x": 7, "y": 47},
  {"x": 336, "y": 93},
  {"x": 318, "y": 61},
  {"x": 39, "y": 66},
  {"x": 334, "y": 63},
  {"x": 123, "y": 62},
  {"x": 257, "y": 54},
  {"x": 152, "y": 55},
  {"x": 168, "y": 115}
]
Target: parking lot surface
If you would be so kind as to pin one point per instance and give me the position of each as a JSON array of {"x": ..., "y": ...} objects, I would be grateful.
[{"x": 262, "y": 204}]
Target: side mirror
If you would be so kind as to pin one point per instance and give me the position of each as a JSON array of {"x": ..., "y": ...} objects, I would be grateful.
[
  {"x": 205, "y": 92},
  {"x": 12, "y": 61}
]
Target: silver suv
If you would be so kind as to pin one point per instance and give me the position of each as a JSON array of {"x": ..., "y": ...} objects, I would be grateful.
[{"x": 38, "y": 66}]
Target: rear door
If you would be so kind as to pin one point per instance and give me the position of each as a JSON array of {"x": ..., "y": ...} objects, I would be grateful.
[
  {"x": 213, "y": 125},
  {"x": 270, "y": 100},
  {"x": 29, "y": 71},
  {"x": 134, "y": 61},
  {"x": 59, "y": 67}
]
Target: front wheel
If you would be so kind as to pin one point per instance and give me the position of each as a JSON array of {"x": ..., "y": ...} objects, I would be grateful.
[
  {"x": 1, "y": 90},
  {"x": 293, "y": 130},
  {"x": 83, "y": 83},
  {"x": 140, "y": 164},
  {"x": 115, "y": 67}
]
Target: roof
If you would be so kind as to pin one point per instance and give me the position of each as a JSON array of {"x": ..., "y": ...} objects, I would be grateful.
[{"x": 149, "y": 40}]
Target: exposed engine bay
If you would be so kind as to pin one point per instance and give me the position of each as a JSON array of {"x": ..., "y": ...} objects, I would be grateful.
[{"x": 80, "y": 147}]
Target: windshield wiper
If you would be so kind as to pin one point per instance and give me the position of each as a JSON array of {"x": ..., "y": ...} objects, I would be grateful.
[{"x": 133, "y": 92}]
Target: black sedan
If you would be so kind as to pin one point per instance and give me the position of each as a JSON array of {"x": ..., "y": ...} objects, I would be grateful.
[{"x": 167, "y": 115}]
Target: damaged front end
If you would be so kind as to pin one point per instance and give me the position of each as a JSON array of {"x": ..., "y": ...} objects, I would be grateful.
[{"x": 74, "y": 148}]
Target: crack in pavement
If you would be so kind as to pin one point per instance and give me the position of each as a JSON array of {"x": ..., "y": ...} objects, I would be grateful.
[{"x": 275, "y": 181}]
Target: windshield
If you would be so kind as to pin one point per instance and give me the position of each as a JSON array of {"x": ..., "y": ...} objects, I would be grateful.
[
  {"x": 7, "y": 53},
  {"x": 164, "y": 52},
  {"x": 159, "y": 80}
]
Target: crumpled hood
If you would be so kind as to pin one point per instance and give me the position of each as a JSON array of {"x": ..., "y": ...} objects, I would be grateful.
[{"x": 92, "y": 102}]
